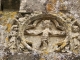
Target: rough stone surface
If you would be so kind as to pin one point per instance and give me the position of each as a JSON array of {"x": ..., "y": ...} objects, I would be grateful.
[
  {"x": 24, "y": 56},
  {"x": 28, "y": 5},
  {"x": 41, "y": 30}
]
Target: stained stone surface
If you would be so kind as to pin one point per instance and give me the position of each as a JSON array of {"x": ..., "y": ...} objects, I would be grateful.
[
  {"x": 39, "y": 5},
  {"x": 24, "y": 56},
  {"x": 19, "y": 44},
  {"x": 53, "y": 5},
  {"x": 40, "y": 30}
]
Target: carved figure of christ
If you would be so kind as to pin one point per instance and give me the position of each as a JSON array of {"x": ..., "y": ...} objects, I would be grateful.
[{"x": 45, "y": 34}]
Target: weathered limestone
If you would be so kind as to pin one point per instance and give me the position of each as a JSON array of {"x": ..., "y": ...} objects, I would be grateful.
[
  {"x": 43, "y": 32},
  {"x": 27, "y": 6},
  {"x": 47, "y": 31},
  {"x": 2, "y": 40}
]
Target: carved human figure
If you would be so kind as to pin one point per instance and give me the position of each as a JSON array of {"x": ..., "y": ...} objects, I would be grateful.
[
  {"x": 13, "y": 39},
  {"x": 46, "y": 30},
  {"x": 76, "y": 36}
]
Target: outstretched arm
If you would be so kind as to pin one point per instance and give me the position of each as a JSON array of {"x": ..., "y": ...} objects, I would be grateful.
[
  {"x": 58, "y": 33},
  {"x": 33, "y": 32}
]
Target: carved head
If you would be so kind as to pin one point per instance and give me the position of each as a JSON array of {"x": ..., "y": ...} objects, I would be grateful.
[
  {"x": 15, "y": 27},
  {"x": 46, "y": 23},
  {"x": 75, "y": 29}
]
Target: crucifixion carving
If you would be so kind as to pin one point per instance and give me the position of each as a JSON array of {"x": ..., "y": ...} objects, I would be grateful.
[{"x": 45, "y": 32}]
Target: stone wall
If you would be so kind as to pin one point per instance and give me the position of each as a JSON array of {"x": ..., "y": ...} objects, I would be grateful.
[
  {"x": 40, "y": 30},
  {"x": 73, "y": 6}
]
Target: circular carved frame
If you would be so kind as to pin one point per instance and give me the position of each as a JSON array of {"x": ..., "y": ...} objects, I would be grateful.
[{"x": 40, "y": 18}]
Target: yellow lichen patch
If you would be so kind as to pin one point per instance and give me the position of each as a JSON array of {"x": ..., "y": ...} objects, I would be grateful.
[
  {"x": 60, "y": 13},
  {"x": 9, "y": 27},
  {"x": 63, "y": 45},
  {"x": 49, "y": 7},
  {"x": 45, "y": 52},
  {"x": 61, "y": 1},
  {"x": 1, "y": 12},
  {"x": 6, "y": 19},
  {"x": 7, "y": 39},
  {"x": 75, "y": 51},
  {"x": 42, "y": 59},
  {"x": 13, "y": 14},
  {"x": 7, "y": 15}
]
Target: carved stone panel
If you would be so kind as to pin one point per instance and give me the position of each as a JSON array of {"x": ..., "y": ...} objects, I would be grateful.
[
  {"x": 41, "y": 30},
  {"x": 47, "y": 29},
  {"x": 44, "y": 32},
  {"x": 39, "y": 33}
]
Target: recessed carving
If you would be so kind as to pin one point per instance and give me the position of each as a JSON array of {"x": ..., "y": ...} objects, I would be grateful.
[{"x": 44, "y": 32}]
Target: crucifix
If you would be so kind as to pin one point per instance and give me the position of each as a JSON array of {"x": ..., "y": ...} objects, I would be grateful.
[{"x": 45, "y": 32}]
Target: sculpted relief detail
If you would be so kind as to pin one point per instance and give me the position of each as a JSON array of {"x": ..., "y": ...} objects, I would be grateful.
[{"x": 44, "y": 32}]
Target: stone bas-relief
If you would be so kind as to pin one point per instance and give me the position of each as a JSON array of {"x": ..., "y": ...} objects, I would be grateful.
[
  {"x": 41, "y": 35},
  {"x": 44, "y": 33}
]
